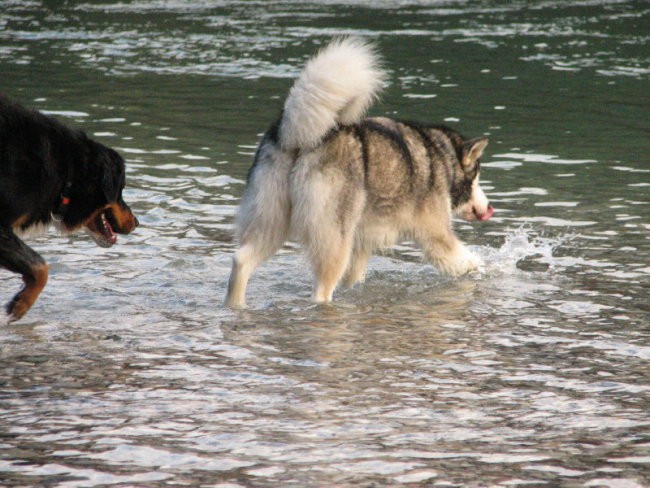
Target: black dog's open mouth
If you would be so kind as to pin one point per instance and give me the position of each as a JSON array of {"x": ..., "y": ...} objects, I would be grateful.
[{"x": 101, "y": 229}]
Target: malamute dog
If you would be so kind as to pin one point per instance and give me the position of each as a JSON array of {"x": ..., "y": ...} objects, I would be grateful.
[{"x": 345, "y": 186}]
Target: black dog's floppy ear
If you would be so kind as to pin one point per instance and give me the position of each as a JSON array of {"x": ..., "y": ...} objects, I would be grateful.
[
  {"x": 473, "y": 149},
  {"x": 113, "y": 177}
]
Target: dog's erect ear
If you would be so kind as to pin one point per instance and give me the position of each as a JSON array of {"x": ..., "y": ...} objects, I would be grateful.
[{"x": 473, "y": 149}]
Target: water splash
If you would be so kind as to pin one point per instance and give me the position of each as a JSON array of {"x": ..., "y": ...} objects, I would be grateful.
[{"x": 521, "y": 245}]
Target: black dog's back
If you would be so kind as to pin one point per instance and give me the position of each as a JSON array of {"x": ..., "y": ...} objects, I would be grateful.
[{"x": 35, "y": 152}]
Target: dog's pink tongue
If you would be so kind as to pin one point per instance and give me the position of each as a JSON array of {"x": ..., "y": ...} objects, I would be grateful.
[{"x": 487, "y": 215}]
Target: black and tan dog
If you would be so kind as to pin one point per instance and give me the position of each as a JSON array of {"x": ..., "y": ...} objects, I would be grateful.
[{"x": 53, "y": 175}]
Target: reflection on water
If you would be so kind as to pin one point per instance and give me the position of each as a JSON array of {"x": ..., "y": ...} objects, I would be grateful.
[{"x": 533, "y": 371}]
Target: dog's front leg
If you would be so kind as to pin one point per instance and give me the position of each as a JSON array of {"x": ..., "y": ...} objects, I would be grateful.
[
  {"x": 18, "y": 257},
  {"x": 450, "y": 255}
]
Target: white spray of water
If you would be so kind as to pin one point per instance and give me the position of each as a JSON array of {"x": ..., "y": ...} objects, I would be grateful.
[{"x": 520, "y": 244}]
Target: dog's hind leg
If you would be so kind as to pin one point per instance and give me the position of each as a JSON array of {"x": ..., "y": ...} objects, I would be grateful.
[
  {"x": 247, "y": 258},
  {"x": 329, "y": 265},
  {"x": 257, "y": 245},
  {"x": 262, "y": 222},
  {"x": 356, "y": 271},
  {"x": 326, "y": 213},
  {"x": 18, "y": 257}
]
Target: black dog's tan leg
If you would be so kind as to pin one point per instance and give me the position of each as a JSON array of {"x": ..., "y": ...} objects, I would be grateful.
[{"x": 18, "y": 257}]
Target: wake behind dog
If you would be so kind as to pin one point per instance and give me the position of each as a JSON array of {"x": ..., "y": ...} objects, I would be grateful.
[{"x": 345, "y": 186}]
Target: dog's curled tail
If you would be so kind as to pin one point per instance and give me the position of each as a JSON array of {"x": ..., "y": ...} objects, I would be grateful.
[{"x": 336, "y": 87}]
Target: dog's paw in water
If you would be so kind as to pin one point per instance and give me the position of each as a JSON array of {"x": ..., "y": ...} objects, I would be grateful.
[{"x": 459, "y": 262}]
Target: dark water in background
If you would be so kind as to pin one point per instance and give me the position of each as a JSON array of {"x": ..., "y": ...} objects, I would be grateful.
[{"x": 129, "y": 372}]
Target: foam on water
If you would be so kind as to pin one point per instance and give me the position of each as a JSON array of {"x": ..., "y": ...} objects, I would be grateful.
[{"x": 519, "y": 245}]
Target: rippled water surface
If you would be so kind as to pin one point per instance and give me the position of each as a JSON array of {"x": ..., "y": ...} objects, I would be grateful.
[{"x": 534, "y": 372}]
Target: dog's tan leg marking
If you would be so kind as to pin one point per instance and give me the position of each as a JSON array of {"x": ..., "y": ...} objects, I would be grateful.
[{"x": 26, "y": 297}]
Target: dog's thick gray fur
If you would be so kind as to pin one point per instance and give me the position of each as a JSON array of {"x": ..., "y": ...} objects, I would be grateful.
[{"x": 345, "y": 186}]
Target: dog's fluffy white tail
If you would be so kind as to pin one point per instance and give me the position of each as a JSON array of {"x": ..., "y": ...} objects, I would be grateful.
[{"x": 336, "y": 87}]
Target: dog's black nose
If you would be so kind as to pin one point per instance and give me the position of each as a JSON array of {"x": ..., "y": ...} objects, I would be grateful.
[{"x": 137, "y": 222}]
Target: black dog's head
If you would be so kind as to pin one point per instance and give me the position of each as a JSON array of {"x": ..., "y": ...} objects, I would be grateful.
[{"x": 96, "y": 201}]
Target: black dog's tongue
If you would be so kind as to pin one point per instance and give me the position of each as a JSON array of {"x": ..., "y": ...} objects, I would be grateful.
[
  {"x": 107, "y": 229},
  {"x": 104, "y": 236}
]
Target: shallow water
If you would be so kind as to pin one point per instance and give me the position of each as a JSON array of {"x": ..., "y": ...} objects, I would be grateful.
[{"x": 533, "y": 372}]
